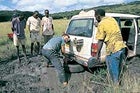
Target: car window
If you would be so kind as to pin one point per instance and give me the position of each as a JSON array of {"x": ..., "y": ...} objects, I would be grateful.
[{"x": 81, "y": 27}]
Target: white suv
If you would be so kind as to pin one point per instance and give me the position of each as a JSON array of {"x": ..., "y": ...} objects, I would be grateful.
[{"x": 82, "y": 29}]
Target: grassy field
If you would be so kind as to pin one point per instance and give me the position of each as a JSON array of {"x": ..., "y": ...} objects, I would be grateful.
[
  {"x": 59, "y": 27},
  {"x": 8, "y": 52},
  {"x": 5, "y": 28}
]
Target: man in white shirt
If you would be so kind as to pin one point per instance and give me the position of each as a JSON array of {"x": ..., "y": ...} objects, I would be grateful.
[
  {"x": 47, "y": 26},
  {"x": 34, "y": 26}
]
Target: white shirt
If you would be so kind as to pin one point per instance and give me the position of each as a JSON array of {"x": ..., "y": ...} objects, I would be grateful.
[
  {"x": 47, "y": 25},
  {"x": 34, "y": 24}
]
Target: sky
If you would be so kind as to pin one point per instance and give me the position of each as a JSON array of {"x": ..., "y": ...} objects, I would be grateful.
[{"x": 55, "y": 6}]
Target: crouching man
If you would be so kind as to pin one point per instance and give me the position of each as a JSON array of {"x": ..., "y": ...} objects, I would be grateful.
[{"x": 51, "y": 50}]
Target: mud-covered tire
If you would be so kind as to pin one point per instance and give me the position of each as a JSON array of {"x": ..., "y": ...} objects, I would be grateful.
[{"x": 73, "y": 68}]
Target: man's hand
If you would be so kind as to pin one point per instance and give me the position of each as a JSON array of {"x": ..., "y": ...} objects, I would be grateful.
[
  {"x": 13, "y": 29},
  {"x": 97, "y": 57},
  {"x": 100, "y": 44},
  {"x": 63, "y": 49}
]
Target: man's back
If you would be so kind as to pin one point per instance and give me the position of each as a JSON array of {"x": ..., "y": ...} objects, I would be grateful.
[
  {"x": 109, "y": 30},
  {"x": 54, "y": 44}
]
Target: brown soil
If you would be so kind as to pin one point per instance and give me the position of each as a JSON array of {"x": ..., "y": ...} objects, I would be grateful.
[{"x": 35, "y": 77}]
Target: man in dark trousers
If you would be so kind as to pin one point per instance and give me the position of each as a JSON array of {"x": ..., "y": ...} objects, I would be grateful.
[
  {"x": 51, "y": 50},
  {"x": 18, "y": 26}
]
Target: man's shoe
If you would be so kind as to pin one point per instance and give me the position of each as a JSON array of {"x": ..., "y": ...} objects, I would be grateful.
[
  {"x": 65, "y": 84},
  {"x": 47, "y": 65}
]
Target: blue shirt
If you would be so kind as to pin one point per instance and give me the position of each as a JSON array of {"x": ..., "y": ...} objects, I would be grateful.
[{"x": 54, "y": 44}]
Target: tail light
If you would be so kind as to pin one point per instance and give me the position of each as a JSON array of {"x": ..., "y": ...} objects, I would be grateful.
[{"x": 94, "y": 48}]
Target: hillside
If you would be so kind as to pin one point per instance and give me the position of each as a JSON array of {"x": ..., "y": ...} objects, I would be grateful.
[
  {"x": 7, "y": 15},
  {"x": 132, "y": 8}
]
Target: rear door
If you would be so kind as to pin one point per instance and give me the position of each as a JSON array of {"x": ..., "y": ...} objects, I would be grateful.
[
  {"x": 138, "y": 36},
  {"x": 129, "y": 29},
  {"x": 81, "y": 34}
]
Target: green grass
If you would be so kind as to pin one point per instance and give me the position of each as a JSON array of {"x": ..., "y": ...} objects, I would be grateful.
[
  {"x": 129, "y": 83},
  {"x": 5, "y": 28},
  {"x": 8, "y": 50},
  {"x": 60, "y": 26}
]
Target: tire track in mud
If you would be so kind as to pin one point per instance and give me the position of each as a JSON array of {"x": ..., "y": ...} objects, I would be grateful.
[{"x": 35, "y": 77}]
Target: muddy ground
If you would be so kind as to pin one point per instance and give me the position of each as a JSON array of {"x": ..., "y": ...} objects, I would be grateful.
[{"x": 35, "y": 77}]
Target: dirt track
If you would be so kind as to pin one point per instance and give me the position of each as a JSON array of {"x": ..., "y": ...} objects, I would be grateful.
[
  {"x": 35, "y": 77},
  {"x": 134, "y": 67}
]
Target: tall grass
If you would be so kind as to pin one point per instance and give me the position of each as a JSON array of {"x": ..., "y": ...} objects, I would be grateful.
[
  {"x": 5, "y": 27},
  {"x": 60, "y": 26},
  {"x": 129, "y": 83}
]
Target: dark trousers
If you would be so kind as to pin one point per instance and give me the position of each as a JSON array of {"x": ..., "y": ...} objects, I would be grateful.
[{"x": 54, "y": 58}]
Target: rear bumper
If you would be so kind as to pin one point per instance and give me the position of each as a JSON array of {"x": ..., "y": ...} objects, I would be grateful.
[{"x": 90, "y": 62}]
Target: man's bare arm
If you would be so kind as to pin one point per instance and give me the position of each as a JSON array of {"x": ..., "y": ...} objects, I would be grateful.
[{"x": 100, "y": 44}]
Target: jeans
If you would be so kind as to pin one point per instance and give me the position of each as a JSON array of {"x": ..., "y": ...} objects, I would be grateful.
[
  {"x": 114, "y": 64},
  {"x": 54, "y": 58}
]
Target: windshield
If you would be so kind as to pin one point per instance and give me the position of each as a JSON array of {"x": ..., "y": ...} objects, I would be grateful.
[{"x": 81, "y": 27}]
